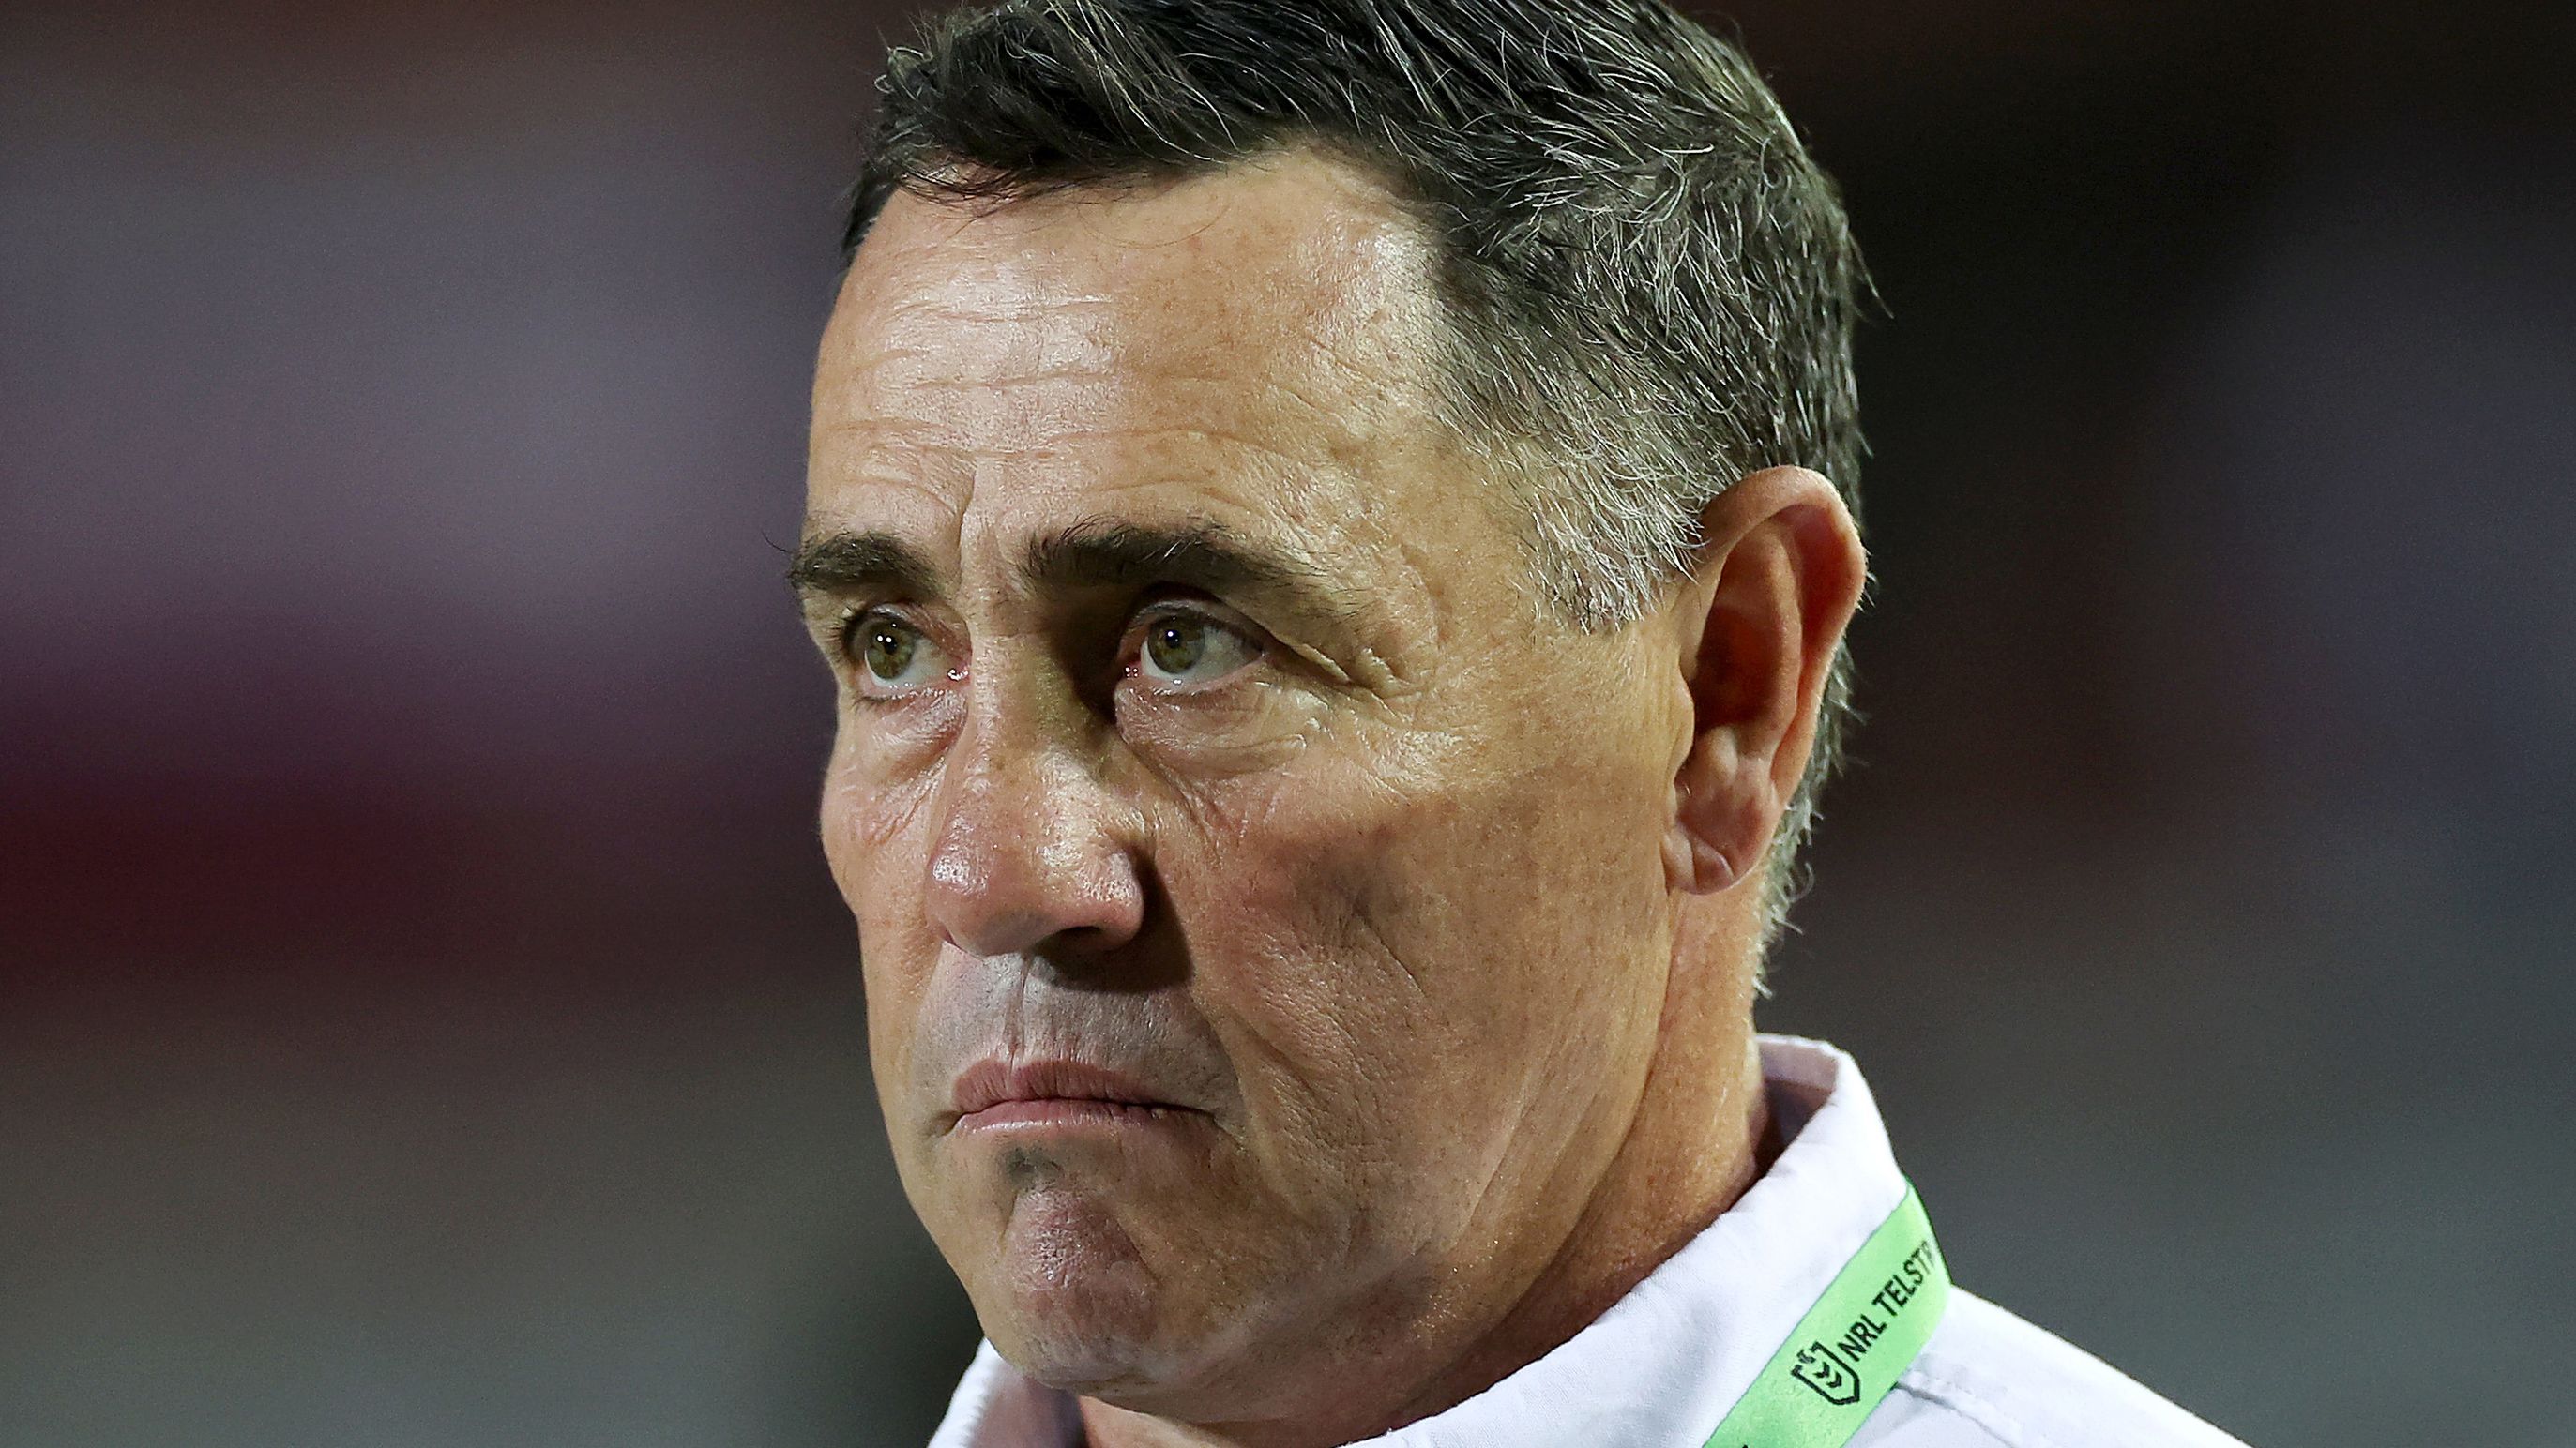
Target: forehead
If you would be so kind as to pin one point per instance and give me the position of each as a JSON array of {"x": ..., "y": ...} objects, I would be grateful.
[{"x": 1251, "y": 342}]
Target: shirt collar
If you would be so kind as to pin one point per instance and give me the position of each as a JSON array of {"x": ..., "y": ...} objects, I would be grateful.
[{"x": 1668, "y": 1360}]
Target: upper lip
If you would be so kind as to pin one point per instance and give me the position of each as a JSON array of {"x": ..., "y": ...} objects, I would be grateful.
[{"x": 992, "y": 1082}]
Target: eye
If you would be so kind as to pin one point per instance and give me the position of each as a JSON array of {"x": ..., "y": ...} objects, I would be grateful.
[
  {"x": 893, "y": 656},
  {"x": 1185, "y": 649}
]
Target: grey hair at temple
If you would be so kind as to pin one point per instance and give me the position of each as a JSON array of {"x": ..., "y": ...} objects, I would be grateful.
[{"x": 1650, "y": 286}]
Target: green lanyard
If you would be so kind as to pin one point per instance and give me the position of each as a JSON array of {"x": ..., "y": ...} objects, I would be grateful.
[{"x": 1845, "y": 1354}]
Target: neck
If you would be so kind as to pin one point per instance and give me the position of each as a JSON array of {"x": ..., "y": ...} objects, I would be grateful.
[{"x": 1699, "y": 1138}]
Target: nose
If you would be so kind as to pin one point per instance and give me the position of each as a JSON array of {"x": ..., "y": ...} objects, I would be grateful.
[{"x": 1031, "y": 854}]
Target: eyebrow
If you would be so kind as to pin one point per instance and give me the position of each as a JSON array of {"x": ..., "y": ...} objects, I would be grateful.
[
  {"x": 1107, "y": 553},
  {"x": 1094, "y": 553},
  {"x": 833, "y": 563}
]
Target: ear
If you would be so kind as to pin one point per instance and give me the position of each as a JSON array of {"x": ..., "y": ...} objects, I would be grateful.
[{"x": 1778, "y": 574}]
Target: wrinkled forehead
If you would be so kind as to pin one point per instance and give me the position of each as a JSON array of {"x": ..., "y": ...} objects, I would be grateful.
[{"x": 1262, "y": 336}]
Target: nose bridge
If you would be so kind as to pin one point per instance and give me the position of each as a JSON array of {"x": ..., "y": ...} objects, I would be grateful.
[
  {"x": 1030, "y": 845},
  {"x": 1010, "y": 766}
]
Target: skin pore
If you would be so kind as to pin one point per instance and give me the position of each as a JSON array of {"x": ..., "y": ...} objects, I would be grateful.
[{"x": 1306, "y": 980}]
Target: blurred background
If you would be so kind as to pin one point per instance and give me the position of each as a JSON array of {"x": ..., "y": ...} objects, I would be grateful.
[{"x": 425, "y": 1020}]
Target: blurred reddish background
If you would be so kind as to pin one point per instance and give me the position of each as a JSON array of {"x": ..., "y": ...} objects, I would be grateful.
[{"x": 423, "y": 1015}]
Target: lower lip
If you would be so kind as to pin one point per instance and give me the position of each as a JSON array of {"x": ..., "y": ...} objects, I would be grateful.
[{"x": 1066, "y": 1111}]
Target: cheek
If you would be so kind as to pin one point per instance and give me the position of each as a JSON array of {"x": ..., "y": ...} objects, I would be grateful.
[
  {"x": 1311, "y": 1009},
  {"x": 860, "y": 821},
  {"x": 875, "y": 844},
  {"x": 1412, "y": 958},
  {"x": 877, "y": 789},
  {"x": 1301, "y": 1003}
]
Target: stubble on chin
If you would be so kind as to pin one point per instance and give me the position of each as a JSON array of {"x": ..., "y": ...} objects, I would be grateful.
[{"x": 1067, "y": 1295}]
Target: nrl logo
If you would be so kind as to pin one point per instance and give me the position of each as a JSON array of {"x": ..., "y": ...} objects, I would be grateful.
[{"x": 1823, "y": 1372}]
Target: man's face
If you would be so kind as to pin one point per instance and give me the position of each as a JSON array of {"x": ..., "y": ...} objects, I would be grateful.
[{"x": 1262, "y": 913}]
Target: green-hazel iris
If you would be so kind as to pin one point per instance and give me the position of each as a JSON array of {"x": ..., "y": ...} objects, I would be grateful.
[
  {"x": 1176, "y": 643},
  {"x": 889, "y": 649}
]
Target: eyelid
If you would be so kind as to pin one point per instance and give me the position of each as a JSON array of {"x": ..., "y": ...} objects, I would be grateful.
[
  {"x": 1215, "y": 615},
  {"x": 858, "y": 613}
]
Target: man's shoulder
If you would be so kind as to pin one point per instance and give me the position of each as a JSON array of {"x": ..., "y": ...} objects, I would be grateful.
[{"x": 1990, "y": 1380}]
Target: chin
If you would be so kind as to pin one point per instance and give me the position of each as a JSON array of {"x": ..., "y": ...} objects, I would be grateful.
[
  {"x": 1070, "y": 1302},
  {"x": 1094, "y": 1338},
  {"x": 1147, "y": 1342}
]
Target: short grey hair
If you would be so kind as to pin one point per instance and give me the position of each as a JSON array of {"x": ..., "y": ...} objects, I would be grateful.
[{"x": 1651, "y": 287}]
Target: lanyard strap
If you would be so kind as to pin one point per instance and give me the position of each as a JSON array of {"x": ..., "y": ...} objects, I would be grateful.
[{"x": 1846, "y": 1353}]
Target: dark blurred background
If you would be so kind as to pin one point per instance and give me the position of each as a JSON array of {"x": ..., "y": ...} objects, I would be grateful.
[{"x": 425, "y": 1020}]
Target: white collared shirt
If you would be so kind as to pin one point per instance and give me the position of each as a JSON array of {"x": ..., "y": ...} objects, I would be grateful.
[{"x": 1664, "y": 1365}]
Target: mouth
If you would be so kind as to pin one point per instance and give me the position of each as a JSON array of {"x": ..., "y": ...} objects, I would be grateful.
[{"x": 993, "y": 1096}]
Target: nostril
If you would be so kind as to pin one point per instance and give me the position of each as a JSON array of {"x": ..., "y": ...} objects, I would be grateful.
[{"x": 1084, "y": 940}]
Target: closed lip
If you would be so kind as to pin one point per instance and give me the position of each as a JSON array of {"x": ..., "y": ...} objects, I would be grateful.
[{"x": 1054, "y": 1092}]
